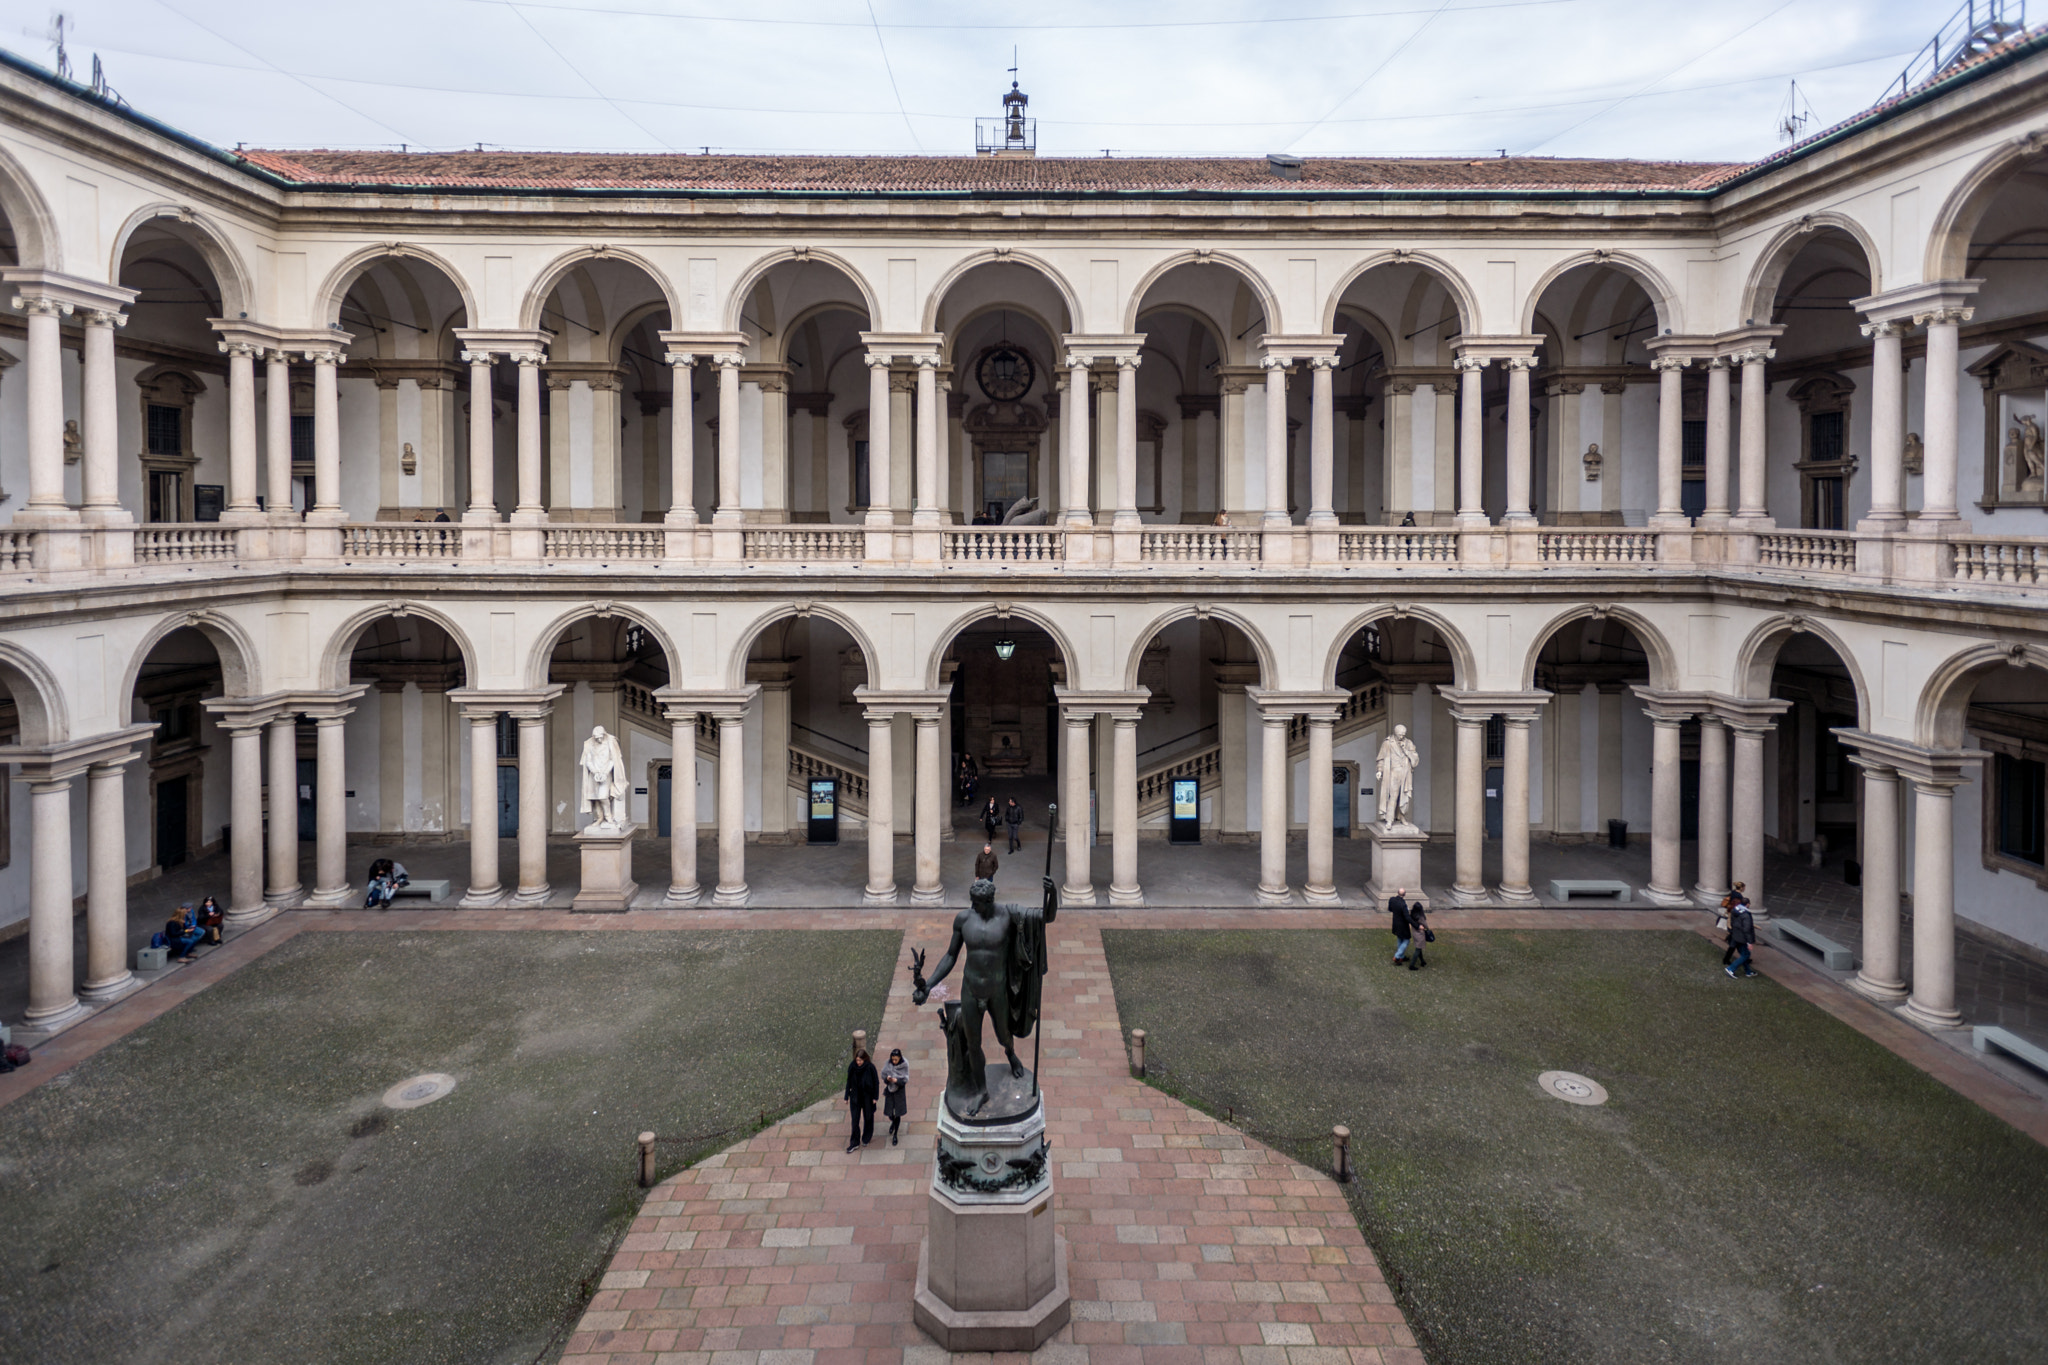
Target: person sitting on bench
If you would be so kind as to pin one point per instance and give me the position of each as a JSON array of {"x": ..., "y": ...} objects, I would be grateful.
[
  {"x": 211, "y": 919},
  {"x": 395, "y": 871},
  {"x": 182, "y": 934}
]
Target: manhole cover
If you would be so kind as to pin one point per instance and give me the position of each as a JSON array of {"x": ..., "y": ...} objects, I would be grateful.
[
  {"x": 418, "y": 1091},
  {"x": 1572, "y": 1088}
]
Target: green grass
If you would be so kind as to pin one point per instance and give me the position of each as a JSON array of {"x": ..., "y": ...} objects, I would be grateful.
[
  {"x": 225, "y": 1185},
  {"x": 1765, "y": 1184}
]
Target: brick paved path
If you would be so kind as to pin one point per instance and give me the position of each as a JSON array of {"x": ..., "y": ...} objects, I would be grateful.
[{"x": 1187, "y": 1243}]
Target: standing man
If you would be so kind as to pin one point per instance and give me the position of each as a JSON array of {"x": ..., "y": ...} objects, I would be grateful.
[
  {"x": 1013, "y": 817},
  {"x": 1397, "y": 907},
  {"x": 863, "y": 1088},
  {"x": 985, "y": 863}
]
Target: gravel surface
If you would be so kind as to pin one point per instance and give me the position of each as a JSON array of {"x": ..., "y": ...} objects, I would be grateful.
[
  {"x": 1764, "y": 1185},
  {"x": 226, "y": 1184}
]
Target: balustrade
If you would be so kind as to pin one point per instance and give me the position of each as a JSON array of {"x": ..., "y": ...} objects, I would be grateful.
[
  {"x": 1807, "y": 551},
  {"x": 1190, "y": 545},
  {"x": 401, "y": 540},
  {"x": 805, "y": 544},
  {"x": 1982, "y": 560},
  {"x": 195, "y": 544},
  {"x": 606, "y": 543},
  {"x": 1007, "y": 544},
  {"x": 17, "y": 550},
  {"x": 1398, "y": 546},
  {"x": 1598, "y": 546}
]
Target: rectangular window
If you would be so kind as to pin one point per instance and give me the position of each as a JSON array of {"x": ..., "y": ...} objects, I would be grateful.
[
  {"x": 1003, "y": 480},
  {"x": 166, "y": 429},
  {"x": 1695, "y": 446},
  {"x": 1827, "y": 504},
  {"x": 2023, "y": 809},
  {"x": 1824, "y": 432},
  {"x": 860, "y": 474},
  {"x": 302, "y": 439},
  {"x": 508, "y": 736},
  {"x": 1496, "y": 739}
]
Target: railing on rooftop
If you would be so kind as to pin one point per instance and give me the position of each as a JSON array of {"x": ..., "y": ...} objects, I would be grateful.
[{"x": 1975, "y": 26}]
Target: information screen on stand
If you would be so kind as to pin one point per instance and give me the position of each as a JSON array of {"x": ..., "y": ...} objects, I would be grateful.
[
  {"x": 1185, "y": 824},
  {"x": 824, "y": 809}
]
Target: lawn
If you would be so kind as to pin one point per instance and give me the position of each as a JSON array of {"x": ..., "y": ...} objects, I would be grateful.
[
  {"x": 225, "y": 1184},
  {"x": 1764, "y": 1185}
]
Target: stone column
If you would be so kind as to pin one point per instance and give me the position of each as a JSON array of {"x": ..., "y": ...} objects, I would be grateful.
[
  {"x": 1933, "y": 1001},
  {"x": 682, "y": 461},
  {"x": 245, "y": 811},
  {"x": 1470, "y": 886},
  {"x": 1322, "y": 479},
  {"x": 1665, "y": 888},
  {"x": 1518, "y": 506},
  {"x": 484, "y": 887},
  {"x": 1276, "y": 517},
  {"x": 532, "y": 508},
  {"x": 101, "y": 478},
  {"x": 1938, "y": 468},
  {"x": 1715, "y": 512},
  {"x": 1746, "y": 836},
  {"x": 879, "y": 437},
  {"x": 930, "y": 808},
  {"x": 281, "y": 885},
  {"x": 1879, "y": 976},
  {"x": 106, "y": 881},
  {"x": 1471, "y": 441},
  {"x": 1754, "y": 456},
  {"x": 1713, "y": 859},
  {"x": 51, "y": 959},
  {"x": 326, "y": 508},
  {"x": 1123, "y": 802},
  {"x": 1273, "y": 773},
  {"x": 683, "y": 888},
  {"x": 1887, "y": 432},
  {"x": 732, "y": 803},
  {"x": 1670, "y": 442},
  {"x": 1126, "y": 517},
  {"x": 1080, "y": 885},
  {"x": 45, "y": 355},
  {"x": 881, "y": 887},
  {"x": 331, "y": 884},
  {"x": 533, "y": 804},
  {"x": 241, "y": 431},
  {"x": 277, "y": 434},
  {"x": 1321, "y": 886},
  {"x": 483, "y": 506},
  {"x": 928, "y": 501},
  {"x": 1514, "y": 812}
]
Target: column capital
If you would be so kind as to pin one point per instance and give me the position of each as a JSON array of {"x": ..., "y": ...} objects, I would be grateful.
[
  {"x": 1670, "y": 363},
  {"x": 64, "y": 293},
  {"x": 103, "y": 317},
  {"x": 1272, "y": 702},
  {"x": 682, "y": 360},
  {"x": 534, "y": 358},
  {"x": 1926, "y": 768},
  {"x": 1756, "y": 355},
  {"x": 1940, "y": 317},
  {"x": 1270, "y": 363},
  {"x": 725, "y": 703},
  {"x": 1075, "y": 702},
  {"x": 1911, "y": 302},
  {"x": 68, "y": 758},
  {"x": 1746, "y": 714},
  {"x": 42, "y": 306},
  {"x": 1098, "y": 346},
  {"x": 1497, "y": 347},
  {"x": 240, "y": 350},
  {"x": 1471, "y": 364},
  {"x": 248, "y": 713},
  {"x": 479, "y": 702},
  {"x": 1470, "y": 706},
  {"x": 1666, "y": 706},
  {"x": 1890, "y": 327},
  {"x": 893, "y": 701},
  {"x": 477, "y": 358}
]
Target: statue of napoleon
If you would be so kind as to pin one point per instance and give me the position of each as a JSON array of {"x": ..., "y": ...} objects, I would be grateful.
[
  {"x": 1003, "y": 979},
  {"x": 604, "y": 783}
]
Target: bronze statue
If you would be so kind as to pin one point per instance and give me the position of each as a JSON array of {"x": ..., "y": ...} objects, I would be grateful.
[{"x": 1003, "y": 978}]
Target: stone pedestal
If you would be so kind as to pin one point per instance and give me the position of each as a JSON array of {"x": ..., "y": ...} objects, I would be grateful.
[
  {"x": 1396, "y": 860},
  {"x": 608, "y": 884},
  {"x": 992, "y": 1274}
]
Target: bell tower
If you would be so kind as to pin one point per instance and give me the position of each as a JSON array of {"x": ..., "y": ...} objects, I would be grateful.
[{"x": 1014, "y": 134}]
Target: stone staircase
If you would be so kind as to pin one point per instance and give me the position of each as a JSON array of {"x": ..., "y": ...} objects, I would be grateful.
[{"x": 638, "y": 707}]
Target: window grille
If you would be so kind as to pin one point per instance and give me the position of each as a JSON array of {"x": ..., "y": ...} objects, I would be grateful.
[
  {"x": 2023, "y": 809},
  {"x": 166, "y": 429},
  {"x": 302, "y": 439}
]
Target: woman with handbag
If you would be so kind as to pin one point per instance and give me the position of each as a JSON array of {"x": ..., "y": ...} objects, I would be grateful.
[
  {"x": 895, "y": 1092},
  {"x": 1419, "y": 933}
]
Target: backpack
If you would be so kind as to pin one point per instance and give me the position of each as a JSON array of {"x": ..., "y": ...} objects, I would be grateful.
[{"x": 156, "y": 940}]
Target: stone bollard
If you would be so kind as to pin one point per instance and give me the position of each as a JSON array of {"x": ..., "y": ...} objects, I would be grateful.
[
  {"x": 1340, "y": 1137},
  {"x": 1138, "y": 1052},
  {"x": 860, "y": 1039},
  {"x": 646, "y": 1160}
]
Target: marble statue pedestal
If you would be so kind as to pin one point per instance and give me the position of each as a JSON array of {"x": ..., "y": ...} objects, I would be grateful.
[
  {"x": 608, "y": 884},
  {"x": 1396, "y": 860},
  {"x": 992, "y": 1274}
]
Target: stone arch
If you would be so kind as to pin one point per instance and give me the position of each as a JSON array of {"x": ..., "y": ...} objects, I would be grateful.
[
  {"x": 1760, "y": 292},
  {"x": 929, "y": 317},
  {"x": 736, "y": 668},
  {"x": 947, "y": 355},
  {"x": 1663, "y": 660},
  {"x": 551, "y": 276},
  {"x": 334, "y": 289},
  {"x": 236, "y": 292},
  {"x": 1454, "y": 284},
  {"x": 1758, "y": 656},
  {"x": 36, "y": 242},
  {"x": 1269, "y": 668},
  {"x": 1648, "y": 277},
  {"x": 736, "y": 300},
  {"x": 989, "y": 611},
  {"x": 38, "y": 697},
  {"x": 1464, "y": 666},
  {"x": 1269, "y": 302},
  {"x": 535, "y": 673},
  {"x": 1948, "y": 243},
  {"x": 340, "y": 648},
  {"x": 238, "y": 653},
  {"x": 1940, "y": 718}
]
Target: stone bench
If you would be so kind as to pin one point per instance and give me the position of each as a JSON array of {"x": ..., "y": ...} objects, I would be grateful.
[
  {"x": 1833, "y": 955},
  {"x": 1566, "y": 889},
  {"x": 434, "y": 889},
  {"x": 152, "y": 959},
  {"x": 1991, "y": 1038}
]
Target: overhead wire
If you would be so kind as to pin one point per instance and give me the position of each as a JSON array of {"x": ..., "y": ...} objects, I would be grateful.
[
  {"x": 1260, "y": 21},
  {"x": 564, "y": 59},
  {"x": 209, "y": 29},
  {"x": 908, "y": 126}
]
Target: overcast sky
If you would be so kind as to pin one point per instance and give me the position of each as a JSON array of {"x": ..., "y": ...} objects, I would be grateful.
[{"x": 1636, "y": 78}]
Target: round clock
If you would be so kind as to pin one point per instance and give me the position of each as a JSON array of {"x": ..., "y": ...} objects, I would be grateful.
[{"x": 1004, "y": 374}]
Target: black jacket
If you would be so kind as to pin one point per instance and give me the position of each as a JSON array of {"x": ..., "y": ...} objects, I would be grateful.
[
  {"x": 1013, "y": 816},
  {"x": 863, "y": 1084},
  {"x": 1741, "y": 927},
  {"x": 1397, "y": 906}
]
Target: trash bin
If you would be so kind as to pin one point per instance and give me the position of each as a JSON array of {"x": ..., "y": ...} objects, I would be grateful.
[{"x": 1617, "y": 834}]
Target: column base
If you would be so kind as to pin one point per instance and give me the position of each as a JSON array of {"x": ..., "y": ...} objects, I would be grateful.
[
  {"x": 247, "y": 919},
  {"x": 874, "y": 896},
  {"x": 1670, "y": 900},
  {"x": 679, "y": 897},
  {"x": 928, "y": 895},
  {"x": 1708, "y": 898},
  {"x": 57, "y": 1020},
  {"x": 487, "y": 899},
  {"x": 1126, "y": 895},
  {"x": 1267, "y": 895},
  {"x": 105, "y": 992},
  {"x": 1078, "y": 895},
  {"x": 479, "y": 516},
  {"x": 1931, "y": 1018},
  {"x": 331, "y": 899},
  {"x": 1470, "y": 896},
  {"x": 1882, "y": 992},
  {"x": 529, "y": 516},
  {"x": 1517, "y": 897},
  {"x": 286, "y": 899},
  {"x": 532, "y": 896},
  {"x": 1316, "y": 895},
  {"x": 733, "y": 896}
]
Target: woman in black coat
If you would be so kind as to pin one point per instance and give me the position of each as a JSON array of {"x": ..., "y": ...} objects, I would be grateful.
[
  {"x": 895, "y": 1092},
  {"x": 863, "y": 1088},
  {"x": 990, "y": 818}
]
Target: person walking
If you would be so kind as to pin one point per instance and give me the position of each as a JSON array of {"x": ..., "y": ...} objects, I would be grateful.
[
  {"x": 1013, "y": 820},
  {"x": 990, "y": 818},
  {"x": 1734, "y": 898},
  {"x": 1741, "y": 934},
  {"x": 1418, "y": 934},
  {"x": 863, "y": 1088},
  {"x": 1397, "y": 908},
  {"x": 895, "y": 1092},
  {"x": 985, "y": 863}
]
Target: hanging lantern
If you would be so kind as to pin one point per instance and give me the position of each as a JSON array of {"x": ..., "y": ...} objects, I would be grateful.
[{"x": 1005, "y": 647}]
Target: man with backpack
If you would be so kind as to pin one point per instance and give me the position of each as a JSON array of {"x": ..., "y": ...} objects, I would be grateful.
[{"x": 1741, "y": 933}]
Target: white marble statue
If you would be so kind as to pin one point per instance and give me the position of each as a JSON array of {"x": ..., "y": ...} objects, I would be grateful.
[
  {"x": 1395, "y": 774},
  {"x": 604, "y": 784},
  {"x": 2032, "y": 458}
]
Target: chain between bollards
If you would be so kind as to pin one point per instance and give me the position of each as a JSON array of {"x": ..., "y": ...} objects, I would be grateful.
[
  {"x": 1340, "y": 1139},
  {"x": 1138, "y": 1053}
]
